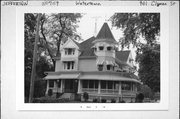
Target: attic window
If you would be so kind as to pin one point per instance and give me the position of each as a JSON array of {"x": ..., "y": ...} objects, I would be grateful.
[
  {"x": 109, "y": 48},
  {"x": 101, "y": 48},
  {"x": 69, "y": 51}
]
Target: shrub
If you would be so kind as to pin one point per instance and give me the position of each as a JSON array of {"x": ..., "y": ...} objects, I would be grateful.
[
  {"x": 140, "y": 98},
  {"x": 113, "y": 101},
  {"x": 86, "y": 96},
  {"x": 95, "y": 100},
  {"x": 103, "y": 100}
]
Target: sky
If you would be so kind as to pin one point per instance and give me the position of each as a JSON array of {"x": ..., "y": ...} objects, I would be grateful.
[{"x": 87, "y": 27}]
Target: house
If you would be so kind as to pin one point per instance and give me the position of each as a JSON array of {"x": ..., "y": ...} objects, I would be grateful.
[{"x": 94, "y": 66}]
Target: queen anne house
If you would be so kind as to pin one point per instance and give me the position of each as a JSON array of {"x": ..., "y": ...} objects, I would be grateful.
[{"x": 94, "y": 66}]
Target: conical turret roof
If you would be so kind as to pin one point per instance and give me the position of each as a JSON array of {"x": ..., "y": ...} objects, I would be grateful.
[{"x": 105, "y": 33}]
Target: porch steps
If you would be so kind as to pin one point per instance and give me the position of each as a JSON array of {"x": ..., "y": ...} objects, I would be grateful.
[{"x": 69, "y": 96}]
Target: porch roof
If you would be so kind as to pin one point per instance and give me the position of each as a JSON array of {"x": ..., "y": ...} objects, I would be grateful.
[
  {"x": 107, "y": 77},
  {"x": 62, "y": 76}
]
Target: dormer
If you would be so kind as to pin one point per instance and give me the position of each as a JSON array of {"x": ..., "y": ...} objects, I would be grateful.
[{"x": 70, "y": 49}]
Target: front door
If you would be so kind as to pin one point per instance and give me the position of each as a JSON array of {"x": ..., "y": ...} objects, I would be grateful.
[{"x": 70, "y": 86}]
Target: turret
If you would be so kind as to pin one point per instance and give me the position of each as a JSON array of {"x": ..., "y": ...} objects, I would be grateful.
[{"x": 104, "y": 48}]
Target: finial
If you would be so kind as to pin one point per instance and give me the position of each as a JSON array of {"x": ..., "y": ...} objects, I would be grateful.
[{"x": 95, "y": 29}]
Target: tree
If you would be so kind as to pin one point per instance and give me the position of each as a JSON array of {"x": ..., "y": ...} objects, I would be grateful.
[
  {"x": 48, "y": 45},
  {"x": 56, "y": 28},
  {"x": 137, "y": 25},
  {"x": 149, "y": 66},
  {"x": 146, "y": 91},
  {"x": 142, "y": 30}
]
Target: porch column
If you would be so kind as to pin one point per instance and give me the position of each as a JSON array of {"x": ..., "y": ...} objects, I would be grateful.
[
  {"x": 55, "y": 86},
  {"x": 99, "y": 87},
  {"x": 120, "y": 88},
  {"x": 120, "y": 91},
  {"x": 47, "y": 88},
  {"x": 79, "y": 86},
  {"x": 135, "y": 86},
  {"x": 61, "y": 86},
  {"x": 131, "y": 86}
]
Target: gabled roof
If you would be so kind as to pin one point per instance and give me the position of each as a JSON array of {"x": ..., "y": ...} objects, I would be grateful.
[
  {"x": 105, "y": 33},
  {"x": 123, "y": 55},
  {"x": 77, "y": 44}
]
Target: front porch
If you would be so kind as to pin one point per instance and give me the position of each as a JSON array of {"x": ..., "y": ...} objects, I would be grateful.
[{"x": 103, "y": 85}]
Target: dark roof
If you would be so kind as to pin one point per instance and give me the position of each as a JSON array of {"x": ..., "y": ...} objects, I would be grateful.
[
  {"x": 105, "y": 33},
  {"x": 122, "y": 55},
  {"x": 86, "y": 47}
]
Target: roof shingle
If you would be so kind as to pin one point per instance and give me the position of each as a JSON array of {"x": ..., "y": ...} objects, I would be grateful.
[
  {"x": 105, "y": 33},
  {"x": 123, "y": 55},
  {"x": 86, "y": 47}
]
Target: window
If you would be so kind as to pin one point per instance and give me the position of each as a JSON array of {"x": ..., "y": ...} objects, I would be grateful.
[
  {"x": 103, "y": 84},
  {"x": 90, "y": 84},
  {"x": 51, "y": 84},
  {"x": 96, "y": 84},
  {"x": 116, "y": 85},
  {"x": 108, "y": 67},
  {"x": 101, "y": 47},
  {"x": 69, "y": 51},
  {"x": 69, "y": 65},
  {"x": 110, "y": 85},
  {"x": 85, "y": 84},
  {"x": 95, "y": 49},
  {"x": 100, "y": 67},
  {"x": 109, "y": 48},
  {"x": 126, "y": 86}
]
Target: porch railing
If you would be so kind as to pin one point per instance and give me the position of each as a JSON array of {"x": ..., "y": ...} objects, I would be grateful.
[
  {"x": 90, "y": 90},
  {"x": 109, "y": 91}
]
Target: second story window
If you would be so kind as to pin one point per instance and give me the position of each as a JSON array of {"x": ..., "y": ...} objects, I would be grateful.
[
  {"x": 100, "y": 67},
  {"x": 69, "y": 65},
  {"x": 109, "y": 48},
  {"x": 69, "y": 51},
  {"x": 108, "y": 67}
]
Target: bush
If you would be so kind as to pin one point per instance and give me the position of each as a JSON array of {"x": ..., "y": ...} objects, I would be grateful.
[
  {"x": 140, "y": 98},
  {"x": 86, "y": 96},
  {"x": 49, "y": 100},
  {"x": 103, "y": 100},
  {"x": 122, "y": 101},
  {"x": 113, "y": 101},
  {"x": 95, "y": 100}
]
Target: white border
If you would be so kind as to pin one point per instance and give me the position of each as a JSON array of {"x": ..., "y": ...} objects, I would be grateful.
[{"x": 163, "y": 105}]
